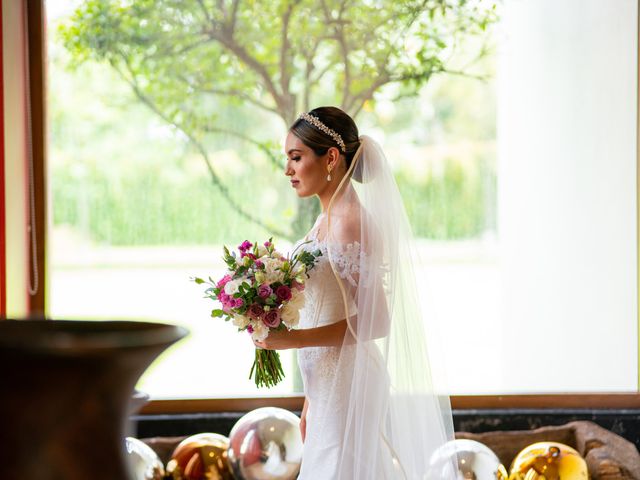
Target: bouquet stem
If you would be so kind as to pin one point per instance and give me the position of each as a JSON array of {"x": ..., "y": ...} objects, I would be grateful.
[{"x": 267, "y": 368}]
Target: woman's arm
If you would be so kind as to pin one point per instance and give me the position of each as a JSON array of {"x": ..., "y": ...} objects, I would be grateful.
[
  {"x": 303, "y": 419},
  {"x": 332, "y": 335}
]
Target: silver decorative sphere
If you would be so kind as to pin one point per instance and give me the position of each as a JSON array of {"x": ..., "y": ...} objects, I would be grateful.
[
  {"x": 465, "y": 459},
  {"x": 144, "y": 463},
  {"x": 266, "y": 444}
]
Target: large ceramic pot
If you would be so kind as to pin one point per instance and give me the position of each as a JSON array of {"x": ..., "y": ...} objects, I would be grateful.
[{"x": 65, "y": 393}]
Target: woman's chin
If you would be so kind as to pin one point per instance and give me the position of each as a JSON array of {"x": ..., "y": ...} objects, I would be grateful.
[{"x": 303, "y": 193}]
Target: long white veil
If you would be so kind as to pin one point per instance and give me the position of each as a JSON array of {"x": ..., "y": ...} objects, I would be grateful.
[{"x": 395, "y": 419}]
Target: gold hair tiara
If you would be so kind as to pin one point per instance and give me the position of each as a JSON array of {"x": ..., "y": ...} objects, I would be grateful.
[{"x": 315, "y": 121}]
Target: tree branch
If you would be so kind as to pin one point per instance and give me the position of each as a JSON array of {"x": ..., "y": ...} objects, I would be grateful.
[
  {"x": 234, "y": 16},
  {"x": 359, "y": 100},
  {"x": 344, "y": 50},
  {"x": 241, "y": 53},
  {"x": 285, "y": 62},
  {"x": 462, "y": 73},
  {"x": 309, "y": 56},
  {"x": 215, "y": 179},
  {"x": 264, "y": 147},
  {"x": 385, "y": 77},
  {"x": 205, "y": 11},
  {"x": 244, "y": 96}
]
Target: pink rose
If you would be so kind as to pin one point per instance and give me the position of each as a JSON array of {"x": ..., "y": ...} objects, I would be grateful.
[
  {"x": 283, "y": 293},
  {"x": 255, "y": 311},
  {"x": 297, "y": 285},
  {"x": 238, "y": 302},
  {"x": 264, "y": 290},
  {"x": 223, "y": 281},
  {"x": 271, "y": 318},
  {"x": 228, "y": 304},
  {"x": 259, "y": 264}
]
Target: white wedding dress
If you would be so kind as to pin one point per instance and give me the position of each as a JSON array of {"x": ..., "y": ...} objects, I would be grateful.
[
  {"x": 327, "y": 371},
  {"x": 374, "y": 412}
]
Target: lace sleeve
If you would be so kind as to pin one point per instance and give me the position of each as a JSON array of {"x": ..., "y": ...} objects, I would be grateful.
[{"x": 349, "y": 261}]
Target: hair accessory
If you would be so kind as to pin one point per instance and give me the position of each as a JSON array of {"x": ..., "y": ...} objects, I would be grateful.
[{"x": 316, "y": 122}]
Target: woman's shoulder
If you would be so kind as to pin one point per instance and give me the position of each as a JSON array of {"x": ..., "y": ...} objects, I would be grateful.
[{"x": 346, "y": 228}]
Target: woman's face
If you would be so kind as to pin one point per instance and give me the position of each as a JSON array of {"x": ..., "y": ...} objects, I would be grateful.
[{"x": 307, "y": 171}]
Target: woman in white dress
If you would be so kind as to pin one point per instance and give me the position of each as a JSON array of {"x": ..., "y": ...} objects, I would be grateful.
[{"x": 370, "y": 408}]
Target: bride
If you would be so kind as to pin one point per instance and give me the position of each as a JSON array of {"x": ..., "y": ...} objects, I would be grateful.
[{"x": 370, "y": 409}]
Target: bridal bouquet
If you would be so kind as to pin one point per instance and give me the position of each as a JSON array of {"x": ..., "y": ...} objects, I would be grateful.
[{"x": 262, "y": 291}]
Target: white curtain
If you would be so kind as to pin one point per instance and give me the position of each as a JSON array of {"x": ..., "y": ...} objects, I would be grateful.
[{"x": 567, "y": 221}]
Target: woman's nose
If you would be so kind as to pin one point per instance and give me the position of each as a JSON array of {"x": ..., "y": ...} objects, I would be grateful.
[{"x": 287, "y": 169}]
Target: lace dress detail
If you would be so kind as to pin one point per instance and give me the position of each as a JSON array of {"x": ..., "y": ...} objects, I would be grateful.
[{"x": 325, "y": 369}]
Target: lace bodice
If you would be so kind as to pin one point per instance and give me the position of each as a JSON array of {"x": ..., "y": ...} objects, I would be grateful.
[
  {"x": 327, "y": 372},
  {"x": 324, "y": 302}
]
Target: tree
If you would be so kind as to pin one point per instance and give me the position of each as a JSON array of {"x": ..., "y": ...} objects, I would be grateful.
[{"x": 180, "y": 57}]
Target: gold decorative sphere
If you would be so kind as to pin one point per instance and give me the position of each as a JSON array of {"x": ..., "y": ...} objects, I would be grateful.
[
  {"x": 548, "y": 461},
  {"x": 201, "y": 457}
]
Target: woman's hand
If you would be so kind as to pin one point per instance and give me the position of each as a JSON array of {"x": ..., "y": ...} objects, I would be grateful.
[{"x": 279, "y": 340}]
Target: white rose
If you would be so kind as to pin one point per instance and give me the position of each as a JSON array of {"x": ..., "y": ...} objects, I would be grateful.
[
  {"x": 232, "y": 287},
  {"x": 290, "y": 316},
  {"x": 273, "y": 264},
  {"x": 297, "y": 299},
  {"x": 260, "y": 331},
  {"x": 274, "y": 277},
  {"x": 240, "y": 321},
  {"x": 272, "y": 272}
]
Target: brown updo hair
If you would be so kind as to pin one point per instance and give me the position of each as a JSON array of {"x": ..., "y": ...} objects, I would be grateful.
[{"x": 320, "y": 142}]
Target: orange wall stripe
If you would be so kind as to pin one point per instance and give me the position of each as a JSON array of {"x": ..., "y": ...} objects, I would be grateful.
[{"x": 3, "y": 240}]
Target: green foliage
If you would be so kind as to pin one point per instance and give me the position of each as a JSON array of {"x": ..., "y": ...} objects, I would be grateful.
[
  {"x": 455, "y": 203},
  {"x": 191, "y": 62},
  {"x": 278, "y": 55},
  {"x": 144, "y": 208}
]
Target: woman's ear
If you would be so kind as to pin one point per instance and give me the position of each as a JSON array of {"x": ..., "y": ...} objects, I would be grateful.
[{"x": 334, "y": 156}]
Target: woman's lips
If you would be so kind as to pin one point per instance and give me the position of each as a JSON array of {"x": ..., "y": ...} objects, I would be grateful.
[{"x": 294, "y": 183}]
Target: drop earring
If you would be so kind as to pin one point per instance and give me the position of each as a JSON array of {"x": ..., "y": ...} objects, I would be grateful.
[{"x": 329, "y": 175}]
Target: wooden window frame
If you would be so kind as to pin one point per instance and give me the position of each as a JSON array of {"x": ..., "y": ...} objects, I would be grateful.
[
  {"x": 594, "y": 401},
  {"x": 3, "y": 226},
  {"x": 36, "y": 36}
]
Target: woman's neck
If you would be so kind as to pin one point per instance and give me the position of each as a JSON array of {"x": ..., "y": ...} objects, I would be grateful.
[
  {"x": 327, "y": 194},
  {"x": 337, "y": 200}
]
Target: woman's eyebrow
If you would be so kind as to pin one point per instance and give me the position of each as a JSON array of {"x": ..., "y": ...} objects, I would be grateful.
[{"x": 293, "y": 150}]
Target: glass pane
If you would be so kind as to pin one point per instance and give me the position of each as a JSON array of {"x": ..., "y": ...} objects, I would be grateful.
[
  {"x": 567, "y": 195},
  {"x": 520, "y": 188}
]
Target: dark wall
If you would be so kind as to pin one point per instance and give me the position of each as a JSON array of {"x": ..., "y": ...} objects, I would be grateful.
[{"x": 625, "y": 423}]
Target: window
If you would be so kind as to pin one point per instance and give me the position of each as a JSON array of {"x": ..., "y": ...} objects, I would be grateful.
[{"x": 520, "y": 188}]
